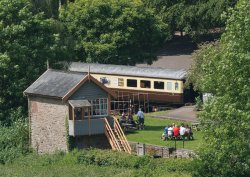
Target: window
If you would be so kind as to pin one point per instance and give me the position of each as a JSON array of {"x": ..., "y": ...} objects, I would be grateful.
[
  {"x": 132, "y": 83},
  {"x": 100, "y": 106},
  {"x": 77, "y": 112},
  {"x": 145, "y": 84},
  {"x": 169, "y": 85},
  {"x": 176, "y": 86},
  {"x": 158, "y": 85},
  {"x": 120, "y": 82}
]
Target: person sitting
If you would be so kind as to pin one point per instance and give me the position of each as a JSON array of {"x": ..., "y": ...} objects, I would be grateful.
[
  {"x": 165, "y": 133},
  {"x": 170, "y": 131},
  {"x": 182, "y": 131},
  {"x": 176, "y": 131},
  {"x": 189, "y": 132},
  {"x": 123, "y": 119},
  {"x": 131, "y": 119}
]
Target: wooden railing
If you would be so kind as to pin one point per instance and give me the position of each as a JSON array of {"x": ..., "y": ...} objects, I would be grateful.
[
  {"x": 121, "y": 136},
  {"x": 111, "y": 137},
  {"x": 116, "y": 137}
]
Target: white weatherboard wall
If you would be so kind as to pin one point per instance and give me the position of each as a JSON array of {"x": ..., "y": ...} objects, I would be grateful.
[{"x": 84, "y": 127}]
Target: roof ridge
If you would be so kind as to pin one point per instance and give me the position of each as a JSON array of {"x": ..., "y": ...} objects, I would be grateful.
[
  {"x": 129, "y": 66},
  {"x": 64, "y": 71}
]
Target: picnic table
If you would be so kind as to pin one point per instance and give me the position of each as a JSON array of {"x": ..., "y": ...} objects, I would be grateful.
[{"x": 127, "y": 126}]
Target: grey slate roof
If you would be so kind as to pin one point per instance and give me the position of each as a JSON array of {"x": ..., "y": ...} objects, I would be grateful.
[
  {"x": 79, "y": 103},
  {"x": 55, "y": 83},
  {"x": 178, "y": 74}
]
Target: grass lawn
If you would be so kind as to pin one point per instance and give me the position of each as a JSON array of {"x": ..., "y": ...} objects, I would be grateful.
[{"x": 154, "y": 129}]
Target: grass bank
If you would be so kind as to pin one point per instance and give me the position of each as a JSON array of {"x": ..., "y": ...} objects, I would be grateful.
[{"x": 95, "y": 163}]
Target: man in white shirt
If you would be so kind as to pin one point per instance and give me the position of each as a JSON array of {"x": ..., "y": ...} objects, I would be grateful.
[
  {"x": 182, "y": 131},
  {"x": 170, "y": 131}
]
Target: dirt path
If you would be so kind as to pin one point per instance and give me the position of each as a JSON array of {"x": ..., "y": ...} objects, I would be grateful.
[{"x": 185, "y": 113}]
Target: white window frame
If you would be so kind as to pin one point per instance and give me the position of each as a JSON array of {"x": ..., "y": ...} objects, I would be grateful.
[{"x": 102, "y": 107}]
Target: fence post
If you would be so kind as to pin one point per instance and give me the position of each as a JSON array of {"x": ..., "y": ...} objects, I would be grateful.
[{"x": 140, "y": 149}]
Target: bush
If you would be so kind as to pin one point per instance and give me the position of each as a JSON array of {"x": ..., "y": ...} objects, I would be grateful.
[
  {"x": 198, "y": 104},
  {"x": 13, "y": 141}
]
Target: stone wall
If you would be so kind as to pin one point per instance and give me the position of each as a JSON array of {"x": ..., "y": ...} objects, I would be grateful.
[
  {"x": 161, "y": 151},
  {"x": 47, "y": 121}
]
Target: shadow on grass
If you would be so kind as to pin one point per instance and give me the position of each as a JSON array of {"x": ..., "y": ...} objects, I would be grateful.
[{"x": 153, "y": 128}]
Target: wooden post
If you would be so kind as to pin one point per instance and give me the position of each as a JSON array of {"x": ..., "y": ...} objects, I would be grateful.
[
  {"x": 82, "y": 113},
  {"x": 73, "y": 117},
  {"x": 109, "y": 104},
  {"x": 89, "y": 122}
]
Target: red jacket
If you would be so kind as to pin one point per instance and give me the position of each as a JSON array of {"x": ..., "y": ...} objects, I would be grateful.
[{"x": 176, "y": 131}]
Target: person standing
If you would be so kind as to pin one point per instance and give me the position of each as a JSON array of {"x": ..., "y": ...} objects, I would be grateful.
[{"x": 140, "y": 116}]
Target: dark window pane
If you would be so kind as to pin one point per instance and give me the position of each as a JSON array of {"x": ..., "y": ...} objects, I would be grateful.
[
  {"x": 145, "y": 84},
  {"x": 131, "y": 83},
  {"x": 158, "y": 85}
]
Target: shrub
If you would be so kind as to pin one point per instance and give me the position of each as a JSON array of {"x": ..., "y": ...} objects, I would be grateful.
[{"x": 13, "y": 141}]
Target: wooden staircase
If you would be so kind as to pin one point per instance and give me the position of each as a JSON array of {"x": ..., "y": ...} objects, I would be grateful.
[{"x": 116, "y": 137}]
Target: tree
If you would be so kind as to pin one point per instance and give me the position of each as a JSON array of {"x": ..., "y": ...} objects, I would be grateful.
[
  {"x": 27, "y": 41},
  {"x": 225, "y": 120},
  {"x": 111, "y": 31},
  {"x": 192, "y": 16}
]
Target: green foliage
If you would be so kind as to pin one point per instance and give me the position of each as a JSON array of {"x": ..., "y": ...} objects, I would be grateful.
[
  {"x": 198, "y": 103},
  {"x": 70, "y": 139},
  {"x": 111, "y": 31},
  {"x": 203, "y": 66},
  {"x": 27, "y": 41},
  {"x": 13, "y": 141},
  {"x": 95, "y": 163},
  {"x": 225, "y": 119},
  {"x": 192, "y": 17}
]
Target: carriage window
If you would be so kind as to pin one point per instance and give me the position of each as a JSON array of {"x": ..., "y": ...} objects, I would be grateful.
[
  {"x": 176, "y": 86},
  {"x": 132, "y": 83},
  {"x": 120, "y": 82},
  {"x": 145, "y": 84},
  {"x": 158, "y": 85},
  {"x": 169, "y": 85}
]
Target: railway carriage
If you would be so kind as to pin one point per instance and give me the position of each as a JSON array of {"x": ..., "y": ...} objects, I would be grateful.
[{"x": 138, "y": 86}]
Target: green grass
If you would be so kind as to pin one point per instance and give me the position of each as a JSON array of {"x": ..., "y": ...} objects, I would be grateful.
[
  {"x": 95, "y": 163},
  {"x": 153, "y": 130}
]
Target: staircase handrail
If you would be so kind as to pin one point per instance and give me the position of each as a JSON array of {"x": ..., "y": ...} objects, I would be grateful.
[
  {"x": 122, "y": 136},
  {"x": 111, "y": 136}
]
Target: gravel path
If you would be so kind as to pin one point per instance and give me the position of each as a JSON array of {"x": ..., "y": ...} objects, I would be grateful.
[{"x": 185, "y": 113}]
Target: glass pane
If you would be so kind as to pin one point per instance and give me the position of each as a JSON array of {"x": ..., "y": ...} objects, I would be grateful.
[
  {"x": 176, "y": 86},
  {"x": 145, "y": 84},
  {"x": 131, "y": 83},
  {"x": 158, "y": 85},
  {"x": 169, "y": 85}
]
